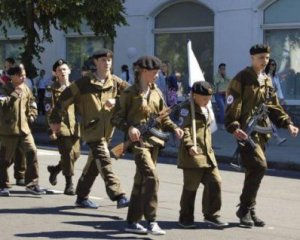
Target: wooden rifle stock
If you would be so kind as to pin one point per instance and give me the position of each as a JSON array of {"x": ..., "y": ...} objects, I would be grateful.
[{"x": 119, "y": 150}]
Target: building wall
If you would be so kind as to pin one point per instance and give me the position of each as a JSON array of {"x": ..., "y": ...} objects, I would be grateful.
[{"x": 237, "y": 27}]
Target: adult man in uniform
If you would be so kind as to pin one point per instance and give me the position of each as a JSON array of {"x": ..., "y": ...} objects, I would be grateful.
[
  {"x": 246, "y": 92},
  {"x": 68, "y": 138},
  {"x": 17, "y": 109},
  {"x": 94, "y": 96}
]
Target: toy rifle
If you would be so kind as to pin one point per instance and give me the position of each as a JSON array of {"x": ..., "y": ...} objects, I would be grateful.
[
  {"x": 252, "y": 126},
  {"x": 148, "y": 127}
]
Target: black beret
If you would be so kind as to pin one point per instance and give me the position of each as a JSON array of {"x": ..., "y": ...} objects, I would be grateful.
[
  {"x": 148, "y": 62},
  {"x": 15, "y": 70},
  {"x": 58, "y": 63},
  {"x": 202, "y": 88},
  {"x": 259, "y": 48},
  {"x": 103, "y": 53}
]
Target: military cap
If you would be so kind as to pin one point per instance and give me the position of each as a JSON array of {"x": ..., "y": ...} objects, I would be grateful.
[
  {"x": 15, "y": 70},
  {"x": 58, "y": 63},
  {"x": 103, "y": 53},
  {"x": 148, "y": 62},
  {"x": 202, "y": 88},
  {"x": 259, "y": 48}
]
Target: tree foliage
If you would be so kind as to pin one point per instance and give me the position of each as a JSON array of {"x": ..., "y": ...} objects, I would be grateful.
[{"x": 37, "y": 17}]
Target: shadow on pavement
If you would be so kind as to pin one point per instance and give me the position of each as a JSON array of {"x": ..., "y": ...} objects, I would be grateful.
[
  {"x": 168, "y": 225},
  {"x": 62, "y": 210},
  {"x": 79, "y": 235}
]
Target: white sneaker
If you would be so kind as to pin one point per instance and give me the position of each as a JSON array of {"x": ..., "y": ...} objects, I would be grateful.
[
  {"x": 136, "y": 228},
  {"x": 155, "y": 229}
]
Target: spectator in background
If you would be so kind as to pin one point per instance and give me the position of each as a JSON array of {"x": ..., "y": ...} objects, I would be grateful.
[
  {"x": 9, "y": 62},
  {"x": 41, "y": 82},
  {"x": 271, "y": 70},
  {"x": 125, "y": 73},
  {"x": 161, "y": 80},
  {"x": 172, "y": 86},
  {"x": 221, "y": 82},
  {"x": 28, "y": 82}
]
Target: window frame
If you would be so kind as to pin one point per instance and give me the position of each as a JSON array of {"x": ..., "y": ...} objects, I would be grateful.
[{"x": 278, "y": 26}]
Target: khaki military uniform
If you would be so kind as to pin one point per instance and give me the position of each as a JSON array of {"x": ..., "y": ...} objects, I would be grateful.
[
  {"x": 143, "y": 200},
  {"x": 68, "y": 139},
  {"x": 89, "y": 96},
  {"x": 16, "y": 111},
  {"x": 247, "y": 91},
  {"x": 201, "y": 168}
]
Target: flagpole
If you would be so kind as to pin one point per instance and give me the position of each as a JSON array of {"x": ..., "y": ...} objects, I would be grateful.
[{"x": 193, "y": 119}]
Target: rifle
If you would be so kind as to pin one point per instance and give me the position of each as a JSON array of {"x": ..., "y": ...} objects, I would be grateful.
[
  {"x": 252, "y": 126},
  {"x": 147, "y": 128}
]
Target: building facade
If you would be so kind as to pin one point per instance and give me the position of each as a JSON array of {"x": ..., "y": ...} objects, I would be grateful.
[{"x": 220, "y": 30}]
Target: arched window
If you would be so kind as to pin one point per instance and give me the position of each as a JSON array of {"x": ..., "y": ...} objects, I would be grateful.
[
  {"x": 282, "y": 33},
  {"x": 177, "y": 23}
]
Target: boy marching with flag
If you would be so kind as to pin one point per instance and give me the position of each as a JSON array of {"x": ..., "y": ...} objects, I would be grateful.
[{"x": 196, "y": 157}]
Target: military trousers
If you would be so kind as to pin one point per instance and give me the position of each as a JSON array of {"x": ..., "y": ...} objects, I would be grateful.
[
  {"x": 69, "y": 149},
  {"x": 99, "y": 161},
  {"x": 19, "y": 164},
  {"x": 24, "y": 143},
  {"x": 211, "y": 198},
  {"x": 255, "y": 164},
  {"x": 143, "y": 199}
]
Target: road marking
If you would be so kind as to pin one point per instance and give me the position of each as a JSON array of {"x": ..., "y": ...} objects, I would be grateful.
[{"x": 47, "y": 152}]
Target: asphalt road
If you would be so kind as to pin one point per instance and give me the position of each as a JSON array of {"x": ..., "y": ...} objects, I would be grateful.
[{"x": 24, "y": 216}]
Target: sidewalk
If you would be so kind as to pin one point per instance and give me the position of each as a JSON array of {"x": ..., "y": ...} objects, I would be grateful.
[{"x": 286, "y": 156}]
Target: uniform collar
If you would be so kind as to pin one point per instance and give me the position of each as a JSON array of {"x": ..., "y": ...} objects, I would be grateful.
[{"x": 107, "y": 84}]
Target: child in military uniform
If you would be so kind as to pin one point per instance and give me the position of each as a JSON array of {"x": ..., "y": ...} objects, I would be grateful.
[
  {"x": 68, "y": 138},
  {"x": 198, "y": 162},
  {"x": 17, "y": 110},
  {"x": 94, "y": 96},
  {"x": 137, "y": 103},
  {"x": 249, "y": 89}
]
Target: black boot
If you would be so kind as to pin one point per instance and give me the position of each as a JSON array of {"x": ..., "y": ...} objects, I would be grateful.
[
  {"x": 243, "y": 213},
  {"x": 54, "y": 171},
  {"x": 257, "y": 221},
  {"x": 69, "y": 190}
]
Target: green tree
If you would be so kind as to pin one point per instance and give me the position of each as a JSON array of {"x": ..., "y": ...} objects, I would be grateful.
[{"x": 36, "y": 18}]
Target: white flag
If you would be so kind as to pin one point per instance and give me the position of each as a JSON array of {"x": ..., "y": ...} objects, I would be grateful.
[{"x": 196, "y": 74}]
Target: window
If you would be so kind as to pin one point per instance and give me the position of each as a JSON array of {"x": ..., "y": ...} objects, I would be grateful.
[
  {"x": 178, "y": 23},
  {"x": 79, "y": 49},
  {"x": 282, "y": 33},
  {"x": 10, "y": 48}
]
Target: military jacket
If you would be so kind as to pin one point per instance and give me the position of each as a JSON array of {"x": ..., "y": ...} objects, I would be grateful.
[
  {"x": 206, "y": 156},
  {"x": 89, "y": 96},
  {"x": 16, "y": 110},
  {"x": 69, "y": 125},
  {"x": 129, "y": 112},
  {"x": 246, "y": 91}
]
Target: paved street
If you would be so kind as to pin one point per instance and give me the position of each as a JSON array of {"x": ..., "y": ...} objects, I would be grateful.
[{"x": 24, "y": 216}]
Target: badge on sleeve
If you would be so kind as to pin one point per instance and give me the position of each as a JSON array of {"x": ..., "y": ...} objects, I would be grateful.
[
  {"x": 184, "y": 112},
  {"x": 47, "y": 107},
  {"x": 229, "y": 99},
  {"x": 180, "y": 121}
]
